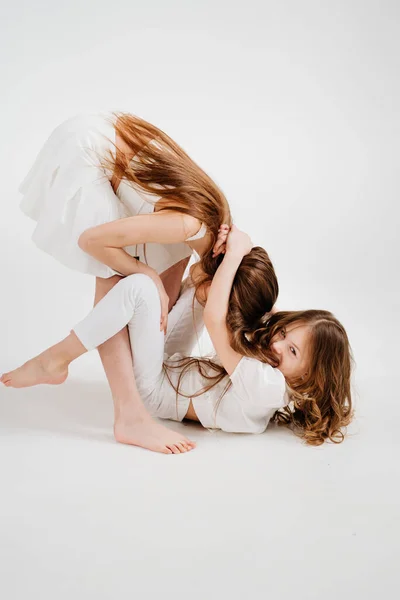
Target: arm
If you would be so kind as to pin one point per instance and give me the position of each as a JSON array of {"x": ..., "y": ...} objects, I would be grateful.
[
  {"x": 172, "y": 281},
  {"x": 215, "y": 312},
  {"x": 106, "y": 242}
]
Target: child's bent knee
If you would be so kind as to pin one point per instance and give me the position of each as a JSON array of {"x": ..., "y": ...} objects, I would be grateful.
[{"x": 141, "y": 287}]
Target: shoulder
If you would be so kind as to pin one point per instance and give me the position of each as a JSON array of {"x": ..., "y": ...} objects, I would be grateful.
[
  {"x": 259, "y": 382},
  {"x": 191, "y": 225}
]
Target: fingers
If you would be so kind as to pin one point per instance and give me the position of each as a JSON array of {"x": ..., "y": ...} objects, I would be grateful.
[
  {"x": 164, "y": 323},
  {"x": 164, "y": 319},
  {"x": 164, "y": 313},
  {"x": 219, "y": 247}
]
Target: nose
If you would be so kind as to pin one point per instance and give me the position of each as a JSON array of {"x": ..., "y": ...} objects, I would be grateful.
[{"x": 276, "y": 347}]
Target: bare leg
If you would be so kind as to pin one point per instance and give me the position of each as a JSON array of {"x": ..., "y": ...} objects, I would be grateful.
[
  {"x": 116, "y": 358},
  {"x": 51, "y": 366},
  {"x": 132, "y": 423},
  {"x": 172, "y": 280}
]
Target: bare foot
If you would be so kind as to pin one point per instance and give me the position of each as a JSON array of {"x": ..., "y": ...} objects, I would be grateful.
[
  {"x": 152, "y": 436},
  {"x": 41, "y": 369}
]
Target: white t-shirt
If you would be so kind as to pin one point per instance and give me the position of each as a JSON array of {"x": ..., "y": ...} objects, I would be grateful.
[{"x": 257, "y": 390}]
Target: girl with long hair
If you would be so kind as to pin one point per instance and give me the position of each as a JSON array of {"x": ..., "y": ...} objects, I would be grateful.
[
  {"x": 114, "y": 196},
  {"x": 290, "y": 367}
]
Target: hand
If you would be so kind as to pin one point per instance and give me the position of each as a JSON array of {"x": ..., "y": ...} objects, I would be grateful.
[
  {"x": 238, "y": 242},
  {"x": 164, "y": 298},
  {"x": 220, "y": 244}
]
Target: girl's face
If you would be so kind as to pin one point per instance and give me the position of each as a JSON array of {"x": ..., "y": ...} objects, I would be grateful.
[{"x": 291, "y": 348}]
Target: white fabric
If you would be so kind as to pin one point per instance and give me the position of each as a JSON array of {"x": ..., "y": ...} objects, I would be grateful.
[
  {"x": 68, "y": 191},
  {"x": 257, "y": 389},
  {"x": 197, "y": 236},
  {"x": 134, "y": 301}
]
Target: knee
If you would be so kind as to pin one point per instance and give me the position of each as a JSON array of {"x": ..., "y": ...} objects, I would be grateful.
[{"x": 141, "y": 285}]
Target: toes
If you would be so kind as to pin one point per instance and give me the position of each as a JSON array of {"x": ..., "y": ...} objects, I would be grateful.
[
  {"x": 188, "y": 445},
  {"x": 188, "y": 442},
  {"x": 174, "y": 449},
  {"x": 181, "y": 447}
]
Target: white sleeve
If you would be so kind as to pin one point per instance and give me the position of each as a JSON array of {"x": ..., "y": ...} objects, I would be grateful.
[{"x": 260, "y": 390}]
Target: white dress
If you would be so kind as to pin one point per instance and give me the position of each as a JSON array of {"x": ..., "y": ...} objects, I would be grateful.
[{"x": 68, "y": 191}]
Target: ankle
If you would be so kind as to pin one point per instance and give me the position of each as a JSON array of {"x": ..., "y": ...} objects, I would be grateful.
[
  {"x": 68, "y": 350},
  {"x": 53, "y": 357},
  {"x": 126, "y": 416}
]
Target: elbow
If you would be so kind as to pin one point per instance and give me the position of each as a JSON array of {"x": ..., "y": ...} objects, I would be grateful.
[{"x": 87, "y": 241}]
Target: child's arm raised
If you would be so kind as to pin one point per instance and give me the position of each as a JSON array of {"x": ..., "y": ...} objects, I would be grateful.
[{"x": 238, "y": 245}]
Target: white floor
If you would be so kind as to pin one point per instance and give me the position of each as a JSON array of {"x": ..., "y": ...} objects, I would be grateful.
[{"x": 239, "y": 517}]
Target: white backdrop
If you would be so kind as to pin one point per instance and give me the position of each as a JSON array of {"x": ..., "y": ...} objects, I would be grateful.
[{"x": 293, "y": 108}]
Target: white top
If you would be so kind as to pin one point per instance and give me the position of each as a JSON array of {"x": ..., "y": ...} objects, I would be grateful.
[
  {"x": 257, "y": 390},
  {"x": 68, "y": 191}
]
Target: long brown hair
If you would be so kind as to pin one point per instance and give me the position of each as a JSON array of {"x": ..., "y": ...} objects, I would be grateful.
[
  {"x": 320, "y": 402},
  {"x": 160, "y": 167},
  {"x": 254, "y": 292}
]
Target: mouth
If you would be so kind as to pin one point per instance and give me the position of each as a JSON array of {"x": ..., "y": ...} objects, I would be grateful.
[{"x": 275, "y": 358}]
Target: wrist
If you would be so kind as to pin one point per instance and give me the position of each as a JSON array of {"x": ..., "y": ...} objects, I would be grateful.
[
  {"x": 233, "y": 256},
  {"x": 146, "y": 270}
]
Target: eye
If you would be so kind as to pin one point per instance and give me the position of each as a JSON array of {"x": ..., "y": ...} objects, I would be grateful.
[
  {"x": 283, "y": 333},
  {"x": 293, "y": 351}
]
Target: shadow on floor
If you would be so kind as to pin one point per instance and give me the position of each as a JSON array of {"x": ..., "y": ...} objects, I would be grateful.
[{"x": 76, "y": 408}]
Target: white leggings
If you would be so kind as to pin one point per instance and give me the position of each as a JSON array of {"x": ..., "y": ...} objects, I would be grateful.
[{"x": 134, "y": 301}]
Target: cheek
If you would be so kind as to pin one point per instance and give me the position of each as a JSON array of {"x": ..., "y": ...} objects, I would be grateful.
[{"x": 283, "y": 363}]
